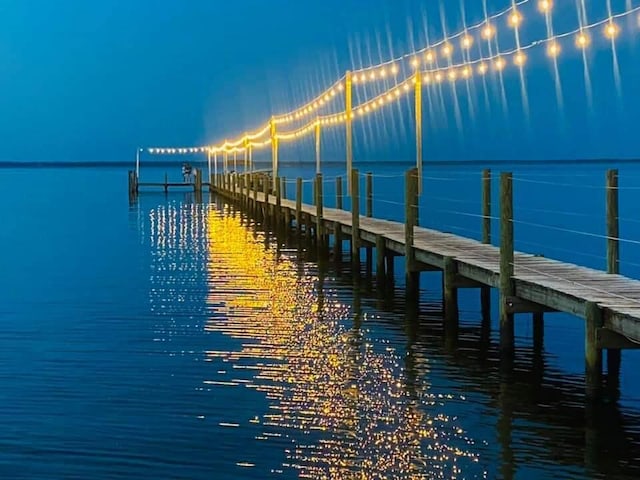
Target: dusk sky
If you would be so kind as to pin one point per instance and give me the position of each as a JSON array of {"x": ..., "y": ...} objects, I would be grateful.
[{"x": 93, "y": 80}]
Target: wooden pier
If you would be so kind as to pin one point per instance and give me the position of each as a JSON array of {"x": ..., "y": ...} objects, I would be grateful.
[{"x": 608, "y": 302}]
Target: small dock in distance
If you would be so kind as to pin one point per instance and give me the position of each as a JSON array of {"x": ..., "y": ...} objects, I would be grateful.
[{"x": 608, "y": 302}]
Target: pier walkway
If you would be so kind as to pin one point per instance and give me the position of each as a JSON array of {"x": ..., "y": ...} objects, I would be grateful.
[{"x": 609, "y": 302}]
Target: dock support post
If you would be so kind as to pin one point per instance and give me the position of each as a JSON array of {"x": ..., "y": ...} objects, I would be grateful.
[
  {"x": 450, "y": 294},
  {"x": 256, "y": 205},
  {"x": 507, "y": 332},
  {"x": 299, "y": 206},
  {"x": 266, "y": 200},
  {"x": 212, "y": 183},
  {"x": 277, "y": 209},
  {"x": 369, "y": 214},
  {"x": 337, "y": 232},
  {"x": 614, "y": 357},
  {"x": 283, "y": 189},
  {"x": 411, "y": 220},
  {"x": 485, "y": 292},
  {"x": 381, "y": 252},
  {"x": 592, "y": 355},
  {"x": 355, "y": 218},
  {"x": 320, "y": 234},
  {"x": 166, "y": 182}
]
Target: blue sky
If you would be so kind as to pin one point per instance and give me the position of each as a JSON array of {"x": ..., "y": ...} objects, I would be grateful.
[{"x": 89, "y": 80}]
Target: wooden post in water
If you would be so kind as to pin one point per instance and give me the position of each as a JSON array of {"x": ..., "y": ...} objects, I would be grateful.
[
  {"x": 278, "y": 206},
  {"x": 592, "y": 354},
  {"x": 283, "y": 189},
  {"x": 506, "y": 262},
  {"x": 265, "y": 190},
  {"x": 369, "y": 214},
  {"x": 411, "y": 220},
  {"x": 450, "y": 294},
  {"x": 319, "y": 210},
  {"x": 337, "y": 242},
  {"x": 355, "y": 217},
  {"x": 485, "y": 292},
  {"x": 614, "y": 357},
  {"x": 166, "y": 182},
  {"x": 381, "y": 252},
  {"x": 299, "y": 206}
]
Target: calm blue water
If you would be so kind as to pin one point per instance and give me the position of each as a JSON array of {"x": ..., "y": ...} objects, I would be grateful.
[{"x": 177, "y": 339}]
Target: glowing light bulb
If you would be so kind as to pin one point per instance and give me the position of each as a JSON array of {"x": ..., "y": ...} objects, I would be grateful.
[
  {"x": 520, "y": 59},
  {"x": 406, "y": 87},
  {"x": 426, "y": 79},
  {"x": 415, "y": 63},
  {"x": 429, "y": 56},
  {"x": 383, "y": 72},
  {"x": 553, "y": 50},
  {"x": 453, "y": 75},
  {"x": 340, "y": 86},
  {"x": 582, "y": 40},
  {"x": 372, "y": 75},
  {"x": 381, "y": 101},
  {"x": 466, "y": 72},
  {"x": 396, "y": 92},
  {"x": 447, "y": 50},
  {"x": 321, "y": 102},
  {"x": 327, "y": 97},
  {"x": 466, "y": 41},
  {"x": 488, "y": 31},
  {"x": 389, "y": 97},
  {"x": 394, "y": 69},
  {"x": 482, "y": 68},
  {"x": 545, "y": 6},
  {"x": 611, "y": 30},
  {"x": 333, "y": 92},
  {"x": 363, "y": 78},
  {"x": 515, "y": 19},
  {"x": 438, "y": 76},
  {"x": 499, "y": 64},
  {"x": 361, "y": 112},
  {"x": 367, "y": 108}
]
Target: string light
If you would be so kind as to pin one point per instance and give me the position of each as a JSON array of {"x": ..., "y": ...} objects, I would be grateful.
[
  {"x": 553, "y": 49},
  {"x": 467, "y": 41},
  {"x": 582, "y": 40},
  {"x": 488, "y": 31},
  {"x": 611, "y": 30},
  {"x": 520, "y": 59},
  {"x": 545, "y": 6},
  {"x": 482, "y": 68},
  {"x": 515, "y": 19},
  {"x": 499, "y": 63},
  {"x": 415, "y": 63},
  {"x": 429, "y": 56},
  {"x": 447, "y": 50}
]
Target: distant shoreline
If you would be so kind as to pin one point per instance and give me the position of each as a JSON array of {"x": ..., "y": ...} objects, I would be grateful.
[{"x": 450, "y": 163}]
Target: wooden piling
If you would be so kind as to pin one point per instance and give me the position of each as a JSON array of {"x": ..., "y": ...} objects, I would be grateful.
[
  {"x": 337, "y": 240},
  {"x": 381, "y": 252},
  {"x": 506, "y": 262},
  {"x": 166, "y": 182},
  {"x": 485, "y": 292},
  {"x": 592, "y": 355},
  {"x": 266, "y": 208},
  {"x": 450, "y": 293},
  {"x": 319, "y": 209},
  {"x": 339, "y": 193},
  {"x": 369, "y": 193},
  {"x": 411, "y": 217},
  {"x": 614, "y": 356},
  {"x": 355, "y": 216},
  {"x": 299, "y": 206}
]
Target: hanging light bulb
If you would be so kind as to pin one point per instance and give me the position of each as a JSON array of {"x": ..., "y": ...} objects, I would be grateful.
[
  {"x": 515, "y": 19},
  {"x": 499, "y": 63},
  {"x": 488, "y": 31},
  {"x": 520, "y": 59},
  {"x": 553, "y": 50},
  {"x": 415, "y": 62},
  {"x": 482, "y": 68},
  {"x": 611, "y": 30},
  {"x": 545, "y": 6},
  {"x": 394, "y": 69},
  {"x": 429, "y": 56},
  {"x": 582, "y": 40},
  {"x": 466, "y": 72},
  {"x": 447, "y": 50},
  {"x": 467, "y": 41},
  {"x": 453, "y": 75}
]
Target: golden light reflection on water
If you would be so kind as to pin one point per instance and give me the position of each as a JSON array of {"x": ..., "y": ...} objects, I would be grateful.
[{"x": 340, "y": 401}]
